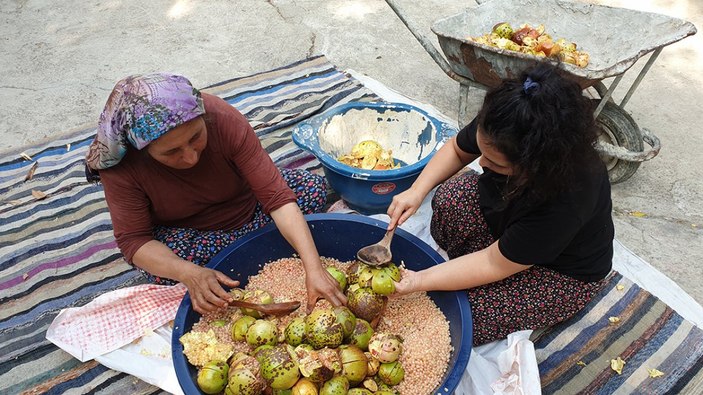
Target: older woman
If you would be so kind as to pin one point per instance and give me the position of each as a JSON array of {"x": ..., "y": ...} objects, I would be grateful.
[{"x": 185, "y": 175}]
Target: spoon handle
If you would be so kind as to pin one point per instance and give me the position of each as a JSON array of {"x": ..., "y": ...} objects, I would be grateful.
[{"x": 386, "y": 241}]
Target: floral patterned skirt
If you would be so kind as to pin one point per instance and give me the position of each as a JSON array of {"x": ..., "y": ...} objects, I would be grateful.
[
  {"x": 531, "y": 299},
  {"x": 199, "y": 246}
]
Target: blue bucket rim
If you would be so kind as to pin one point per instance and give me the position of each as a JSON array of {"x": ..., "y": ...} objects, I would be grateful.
[
  {"x": 443, "y": 132},
  {"x": 452, "y": 380}
]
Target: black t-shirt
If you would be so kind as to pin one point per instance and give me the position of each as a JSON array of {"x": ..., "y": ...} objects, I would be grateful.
[{"x": 571, "y": 234}]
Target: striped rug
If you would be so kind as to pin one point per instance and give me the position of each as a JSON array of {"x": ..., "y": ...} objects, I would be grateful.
[
  {"x": 59, "y": 252},
  {"x": 575, "y": 356}
]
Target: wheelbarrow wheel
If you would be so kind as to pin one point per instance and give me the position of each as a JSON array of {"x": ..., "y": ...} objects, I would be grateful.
[{"x": 619, "y": 129}]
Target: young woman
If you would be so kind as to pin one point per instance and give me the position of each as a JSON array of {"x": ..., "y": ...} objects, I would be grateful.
[
  {"x": 185, "y": 175},
  {"x": 531, "y": 237}
]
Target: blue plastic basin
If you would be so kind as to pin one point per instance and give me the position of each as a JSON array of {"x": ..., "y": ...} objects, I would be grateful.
[
  {"x": 336, "y": 236},
  {"x": 409, "y": 132}
]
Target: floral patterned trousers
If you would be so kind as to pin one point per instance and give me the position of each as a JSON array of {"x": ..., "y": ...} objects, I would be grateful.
[{"x": 531, "y": 299}]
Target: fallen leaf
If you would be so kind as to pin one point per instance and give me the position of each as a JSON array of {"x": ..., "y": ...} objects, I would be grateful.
[
  {"x": 638, "y": 214},
  {"x": 617, "y": 365},
  {"x": 25, "y": 276},
  {"x": 31, "y": 171},
  {"x": 25, "y": 156},
  {"x": 39, "y": 195},
  {"x": 13, "y": 202},
  {"x": 581, "y": 363},
  {"x": 654, "y": 373},
  {"x": 619, "y": 287},
  {"x": 614, "y": 320}
]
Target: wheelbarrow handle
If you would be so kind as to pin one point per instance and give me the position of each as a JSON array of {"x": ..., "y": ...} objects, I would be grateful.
[
  {"x": 427, "y": 44},
  {"x": 632, "y": 156}
]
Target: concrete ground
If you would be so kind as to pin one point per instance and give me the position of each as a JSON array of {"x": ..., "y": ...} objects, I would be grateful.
[{"x": 59, "y": 61}]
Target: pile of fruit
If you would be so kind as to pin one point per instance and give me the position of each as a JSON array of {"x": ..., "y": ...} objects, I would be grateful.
[
  {"x": 533, "y": 41},
  {"x": 330, "y": 351},
  {"x": 369, "y": 155}
]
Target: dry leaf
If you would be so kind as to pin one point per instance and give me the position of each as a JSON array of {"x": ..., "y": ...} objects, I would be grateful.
[
  {"x": 614, "y": 320},
  {"x": 617, "y": 365},
  {"x": 31, "y": 171},
  {"x": 39, "y": 195},
  {"x": 654, "y": 373},
  {"x": 25, "y": 276},
  {"x": 25, "y": 156},
  {"x": 581, "y": 363},
  {"x": 638, "y": 214},
  {"x": 619, "y": 287},
  {"x": 13, "y": 202}
]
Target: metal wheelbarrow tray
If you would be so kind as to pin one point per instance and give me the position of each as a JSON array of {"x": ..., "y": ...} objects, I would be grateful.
[{"x": 615, "y": 39}]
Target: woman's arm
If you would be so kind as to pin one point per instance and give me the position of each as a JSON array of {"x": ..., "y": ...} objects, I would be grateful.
[
  {"x": 203, "y": 284},
  {"x": 319, "y": 283},
  {"x": 468, "y": 271},
  {"x": 446, "y": 162}
]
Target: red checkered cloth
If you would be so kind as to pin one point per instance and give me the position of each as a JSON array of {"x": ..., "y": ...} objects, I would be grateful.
[{"x": 114, "y": 319}]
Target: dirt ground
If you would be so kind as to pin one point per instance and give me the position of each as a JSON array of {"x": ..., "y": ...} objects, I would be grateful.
[{"x": 60, "y": 60}]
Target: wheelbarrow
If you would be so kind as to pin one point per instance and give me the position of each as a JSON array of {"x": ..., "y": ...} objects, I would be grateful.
[{"x": 615, "y": 38}]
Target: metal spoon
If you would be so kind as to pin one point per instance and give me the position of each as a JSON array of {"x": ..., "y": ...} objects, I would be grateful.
[
  {"x": 282, "y": 308},
  {"x": 379, "y": 253}
]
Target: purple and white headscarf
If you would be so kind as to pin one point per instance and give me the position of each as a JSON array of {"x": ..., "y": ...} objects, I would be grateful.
[{"x": 140, "y": 109}]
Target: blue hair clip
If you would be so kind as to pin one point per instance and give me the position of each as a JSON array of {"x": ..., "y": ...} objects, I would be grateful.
[{"x": 529, "y": 85}]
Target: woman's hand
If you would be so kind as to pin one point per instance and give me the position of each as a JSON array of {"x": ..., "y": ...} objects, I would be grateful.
[
  {"x": 403, "y": 206},
  {"x": 321, "y": 284},
  {"x": 409, "y": 283},
  {"x": 205, "y": 289}
]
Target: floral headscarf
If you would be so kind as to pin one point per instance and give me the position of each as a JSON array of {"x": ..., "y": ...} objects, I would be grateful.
[{"x": 140, "y": 109}]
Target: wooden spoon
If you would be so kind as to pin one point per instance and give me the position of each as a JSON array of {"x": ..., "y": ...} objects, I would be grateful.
[
  {"x": 379, "y": 253},
  {"x": 282, "y": 308}
]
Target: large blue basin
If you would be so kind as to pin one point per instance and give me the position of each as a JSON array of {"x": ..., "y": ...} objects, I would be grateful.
[{"x": 336, "y": 236}]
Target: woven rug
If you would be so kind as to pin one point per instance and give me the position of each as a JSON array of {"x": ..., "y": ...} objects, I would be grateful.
[{"x": 57, "y": 251}]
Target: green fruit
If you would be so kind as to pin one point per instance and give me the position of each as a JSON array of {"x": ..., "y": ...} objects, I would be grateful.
[
  {"x": 262, "y": 332},
  {"x": 359, "y": 391},
  {"x": 382, "y": 283},
  {"x": 365, "y": 303},
  {"x": 212, "y": 378},
  {"x": 339, "y": 276},
  {"x": 244, "y": 382},
  {"x": 322, "y": 329},
  {"x": 361, "y": 335},
  {"x": 219, "y": 323},
  {"x": 391, "y": 373},
  {"x": 393, "y": 271},
  {"x": 365, "y": 276},
  {"x": 295, "y": 331},
  {"x": 319, "y": 366},
  {"x": 278, "y": 368},
  {"x": 338, "y": 385},
  {"x": 503, "y": 30},
  {"x": 240, "y": 328},
  {"x": 385, "y": 347},
  {"x": 345, "y": 318},
  {"x": 354, "y": 363},
  {"x": 304, "y": 387}
]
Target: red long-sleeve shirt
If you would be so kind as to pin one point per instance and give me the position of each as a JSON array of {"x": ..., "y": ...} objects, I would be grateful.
[{"x": 219, "y": 193}]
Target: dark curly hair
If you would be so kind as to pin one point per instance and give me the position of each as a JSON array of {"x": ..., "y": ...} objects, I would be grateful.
[{"x": 543, "y": 124}]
